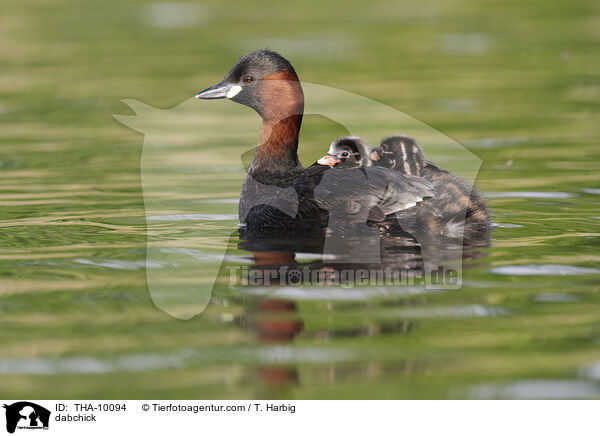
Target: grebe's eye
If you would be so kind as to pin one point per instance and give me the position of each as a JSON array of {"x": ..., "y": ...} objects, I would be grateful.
[
  {"x": 345, "y": 154},
  {"x": 247, "y": 78}
]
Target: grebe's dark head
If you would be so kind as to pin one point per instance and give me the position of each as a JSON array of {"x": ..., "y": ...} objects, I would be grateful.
[
  {"x": 347, "y": 152},
  {"x": 400, "y": 153},
  {"x": 263, "y": 80}
]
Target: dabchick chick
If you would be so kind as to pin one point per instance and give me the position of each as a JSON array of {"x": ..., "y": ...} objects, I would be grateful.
[
  {"x": 455, "y": 201},
  {"x": 400, "y": 153},
  {"x": 347, "y": 152}
]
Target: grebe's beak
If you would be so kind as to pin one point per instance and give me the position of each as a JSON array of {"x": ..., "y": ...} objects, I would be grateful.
[
  {"x": 220, "y": 90},
  {"x": 375, "y": 156},
  {"x": 328, "y": 160}
]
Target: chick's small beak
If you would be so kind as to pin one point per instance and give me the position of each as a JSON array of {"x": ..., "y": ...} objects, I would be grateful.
[
  {"x": 220, "y": 90},
  {"x": 328, "y": 160},
  {"x": 375, "y": 156}
]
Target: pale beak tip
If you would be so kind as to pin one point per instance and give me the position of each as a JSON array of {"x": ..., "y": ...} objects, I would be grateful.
[{"x": 328, "y": 160}]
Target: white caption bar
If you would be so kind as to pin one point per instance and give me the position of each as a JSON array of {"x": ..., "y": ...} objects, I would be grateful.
[{"x": 160, "y": 417}]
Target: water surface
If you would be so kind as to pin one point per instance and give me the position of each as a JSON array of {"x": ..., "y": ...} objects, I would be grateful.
[{"x": 76, "y": 317}]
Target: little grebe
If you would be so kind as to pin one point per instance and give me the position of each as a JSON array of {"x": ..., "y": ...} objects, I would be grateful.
[{"x": 278, "y": 192}]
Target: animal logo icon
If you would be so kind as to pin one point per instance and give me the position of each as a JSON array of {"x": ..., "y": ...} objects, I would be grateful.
[
  {"x": 294, "y": 277},
  {"x": 26, "y": 415}
]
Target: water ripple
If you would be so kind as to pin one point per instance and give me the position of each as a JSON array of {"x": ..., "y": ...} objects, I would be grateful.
[
  {"x": 506, "y": 226},
  {"x": 591, "y": 191},
  {"x": 193, "y": 217},
  {"x": 131, "y": 265},
  {"x": 554, "y": 298},
  {"x": 180, "y": 358},
  {"x": 336, "y": 293},
  {"x": 591, "y": 371},
  {"x": 529, "y": 194},
  {"x": 543, "y": 270},
  {"x": 537, "y": 389}
]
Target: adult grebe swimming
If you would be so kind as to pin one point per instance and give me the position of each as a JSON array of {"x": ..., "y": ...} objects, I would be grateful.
[{"x": 278, "y": 192}]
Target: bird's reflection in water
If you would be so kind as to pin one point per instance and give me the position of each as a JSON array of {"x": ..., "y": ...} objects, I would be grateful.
[
  {"x": 274, "y": 320},
  {"x": 274, "y": 315}
]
